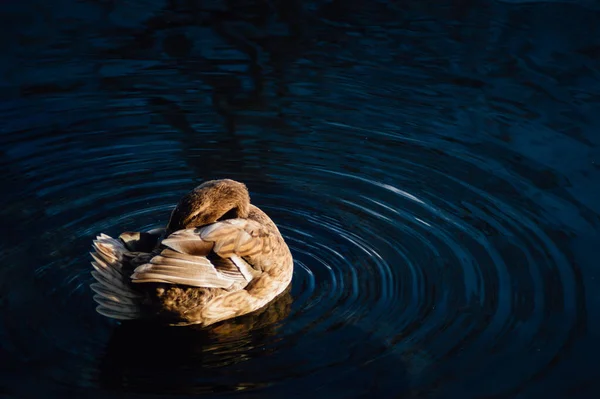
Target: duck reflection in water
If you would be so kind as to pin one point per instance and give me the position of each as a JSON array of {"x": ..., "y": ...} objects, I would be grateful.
[{"x": 144, "y": 356}]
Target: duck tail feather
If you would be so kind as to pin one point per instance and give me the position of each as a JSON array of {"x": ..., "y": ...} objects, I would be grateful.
[{"x": 115, "y": 297}]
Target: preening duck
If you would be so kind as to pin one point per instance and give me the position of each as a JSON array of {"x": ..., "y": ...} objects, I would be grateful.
[{"x": 219, "y": 257}]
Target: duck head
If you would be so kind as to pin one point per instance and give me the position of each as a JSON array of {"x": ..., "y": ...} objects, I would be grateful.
[{"x": 210, "y": 202}]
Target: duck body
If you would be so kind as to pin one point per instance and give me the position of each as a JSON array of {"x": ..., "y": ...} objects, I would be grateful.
[{"x": 219, "y": 257}]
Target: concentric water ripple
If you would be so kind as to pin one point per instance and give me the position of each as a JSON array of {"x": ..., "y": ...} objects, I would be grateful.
[{"x": 434, "y": 173}]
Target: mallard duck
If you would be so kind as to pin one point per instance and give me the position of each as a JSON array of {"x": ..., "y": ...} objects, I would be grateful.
[{"x": 219, "y": 257}]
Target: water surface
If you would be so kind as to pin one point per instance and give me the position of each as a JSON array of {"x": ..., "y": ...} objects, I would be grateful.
[{"x": 434, "y": 169}]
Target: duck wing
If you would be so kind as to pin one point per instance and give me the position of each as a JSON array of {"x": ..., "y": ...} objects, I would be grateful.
[
  {"x": 115, "y": 296},
  {"x": 208, "y": 257}
]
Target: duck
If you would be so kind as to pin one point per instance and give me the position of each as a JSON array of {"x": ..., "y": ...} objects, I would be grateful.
[{"x": 219, "y": 257}]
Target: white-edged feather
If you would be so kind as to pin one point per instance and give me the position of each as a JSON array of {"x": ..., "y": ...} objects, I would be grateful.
[
  {"x": 195, "y": 271},
  {"x": 114, "y": 296}
]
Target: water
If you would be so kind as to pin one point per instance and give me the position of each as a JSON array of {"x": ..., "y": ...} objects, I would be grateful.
[{"x": 434, "y": 169}]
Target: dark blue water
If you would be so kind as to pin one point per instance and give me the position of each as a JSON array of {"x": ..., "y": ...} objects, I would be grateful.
[{"x": 434, "y": 167}]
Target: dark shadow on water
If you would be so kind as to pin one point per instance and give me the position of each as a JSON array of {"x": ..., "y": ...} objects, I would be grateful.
[
  {"x": 146, "y": 357},
  {"x": 248, "y": 355}
]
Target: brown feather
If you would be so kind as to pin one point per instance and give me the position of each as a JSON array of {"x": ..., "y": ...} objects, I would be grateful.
[{"x": 222, "y": 257}]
